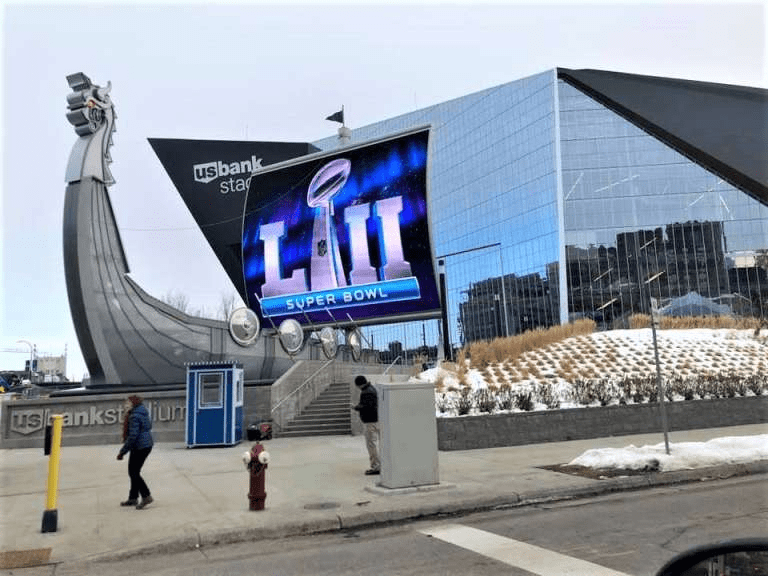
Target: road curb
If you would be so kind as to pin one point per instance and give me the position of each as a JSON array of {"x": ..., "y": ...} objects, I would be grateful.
[{"x": 367, "y": 519}]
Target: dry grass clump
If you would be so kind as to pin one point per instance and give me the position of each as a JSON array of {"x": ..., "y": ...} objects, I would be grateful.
[
  {"x": 461, "y": 368},
  {"x": 692, "y": 322},
  {"x": 418, "y": 361},
  {"x": 484, "y": 353},
  {"x": 440, "y": 381}
]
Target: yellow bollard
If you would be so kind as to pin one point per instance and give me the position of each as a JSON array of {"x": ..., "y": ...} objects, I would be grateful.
[{"x": 50, "y": 516}]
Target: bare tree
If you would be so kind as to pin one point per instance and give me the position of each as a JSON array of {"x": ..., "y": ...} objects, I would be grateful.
[
  {"x": 228, "y": 303},
  {"x": 176, "y": 300}
]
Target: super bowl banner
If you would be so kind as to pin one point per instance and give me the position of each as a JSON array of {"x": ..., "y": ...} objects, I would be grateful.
[{"x": 342, "y": 235}]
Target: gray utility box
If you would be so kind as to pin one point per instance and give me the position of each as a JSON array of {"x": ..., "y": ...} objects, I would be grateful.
[{"x": 408, "y": 432}]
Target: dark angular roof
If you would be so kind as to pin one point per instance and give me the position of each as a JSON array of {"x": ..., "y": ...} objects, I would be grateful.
[{"x": 722, "y": 127}]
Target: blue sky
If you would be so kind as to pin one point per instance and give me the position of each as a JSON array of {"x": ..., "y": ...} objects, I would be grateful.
[{"x": 274, "y": 72}]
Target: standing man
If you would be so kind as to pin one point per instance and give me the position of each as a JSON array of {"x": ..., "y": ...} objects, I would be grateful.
[{"x": 368, "y": 408}]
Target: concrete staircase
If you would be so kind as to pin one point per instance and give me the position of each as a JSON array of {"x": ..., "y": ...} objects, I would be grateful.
[{"x": 328, "y": 414}]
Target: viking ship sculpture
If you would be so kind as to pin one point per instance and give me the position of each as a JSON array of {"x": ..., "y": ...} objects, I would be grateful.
[{"x": 127, "y": 337}]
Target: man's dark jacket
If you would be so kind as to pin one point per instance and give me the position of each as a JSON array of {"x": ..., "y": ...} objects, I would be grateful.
[{"x": 369, "y": 404}]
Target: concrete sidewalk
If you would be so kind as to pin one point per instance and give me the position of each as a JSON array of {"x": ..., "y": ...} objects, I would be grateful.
[{"x": 313, "y": 485}]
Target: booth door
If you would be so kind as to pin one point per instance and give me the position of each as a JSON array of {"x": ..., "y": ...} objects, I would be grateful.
[{"x": 210, "y": 416}]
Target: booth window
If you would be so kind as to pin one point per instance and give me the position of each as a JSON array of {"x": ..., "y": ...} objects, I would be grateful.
[{"x": 210, "y": 391}]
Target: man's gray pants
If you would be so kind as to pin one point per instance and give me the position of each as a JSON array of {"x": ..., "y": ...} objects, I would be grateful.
[{"x": 372, "y": 443}]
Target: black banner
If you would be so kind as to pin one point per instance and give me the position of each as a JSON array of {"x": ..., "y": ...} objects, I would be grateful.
[{"x": 212, "y": 177}]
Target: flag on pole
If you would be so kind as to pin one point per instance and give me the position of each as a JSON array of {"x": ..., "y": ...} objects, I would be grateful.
[{"x": 337, "y": 116}]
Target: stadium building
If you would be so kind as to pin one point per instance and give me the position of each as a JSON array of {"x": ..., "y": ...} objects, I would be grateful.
[
  {"x": 589, "y": 193},
  {"x": 579, "y": 194}
]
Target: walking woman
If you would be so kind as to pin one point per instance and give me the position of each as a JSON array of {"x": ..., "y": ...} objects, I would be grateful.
[{"x": 137, "y": 435}]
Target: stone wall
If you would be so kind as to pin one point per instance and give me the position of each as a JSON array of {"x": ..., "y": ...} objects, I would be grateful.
[
  {"x": 88, "y": 419},
  {"x": 495, "y": 430},
  {"x": 257, "y": 402},
  {"x": 93, "y": 419},
  {"x": 97, "y": 419}
]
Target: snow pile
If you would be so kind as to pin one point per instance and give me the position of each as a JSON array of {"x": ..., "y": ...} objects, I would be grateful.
[{"x": 682, "y": 456}]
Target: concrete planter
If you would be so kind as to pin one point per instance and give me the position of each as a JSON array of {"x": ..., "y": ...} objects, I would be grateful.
[{"x": 495, "y": 430}]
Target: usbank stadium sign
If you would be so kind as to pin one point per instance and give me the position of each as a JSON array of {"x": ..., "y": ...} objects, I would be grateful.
[
  {"x": 342, "y": 235},
  {"x": 29, "y": 421},
  {"x": 239, "y": 173},
  {"x": 212, "y": 177}
]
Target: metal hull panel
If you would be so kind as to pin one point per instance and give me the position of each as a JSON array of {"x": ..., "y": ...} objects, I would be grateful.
[{"x": 128, "y": 337}]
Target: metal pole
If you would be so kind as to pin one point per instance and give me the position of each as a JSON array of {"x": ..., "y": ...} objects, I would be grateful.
[
  {"x": 31, "y": 355},
  {"x": 444, "y": 298},
  {"x": 503, "y": 294},
  {"x": 50, "y": 516},
  {"x": 659, "y": 385}
]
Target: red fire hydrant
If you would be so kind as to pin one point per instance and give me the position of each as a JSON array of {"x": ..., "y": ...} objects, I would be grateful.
[{"x": 256, "y": 461}]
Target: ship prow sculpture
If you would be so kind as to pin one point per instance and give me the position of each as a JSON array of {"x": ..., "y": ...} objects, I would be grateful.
[{"x": 127, "y": 337}]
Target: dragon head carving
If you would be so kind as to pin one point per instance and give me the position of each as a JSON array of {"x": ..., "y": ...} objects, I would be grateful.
[{"x": 92, "y": 114}]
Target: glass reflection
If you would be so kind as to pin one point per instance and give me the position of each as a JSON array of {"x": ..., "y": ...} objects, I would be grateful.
[
  {"x": 635, "y": 209},
  {"x": 631, "y": 208}
]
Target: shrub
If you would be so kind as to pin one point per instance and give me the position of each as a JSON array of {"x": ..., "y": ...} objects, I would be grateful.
[
  {"x": 504, "y": 398},
  {"x": 485, "y": 400},
  {"x": 755, "y": 383},
  {"x": 548, "y": 397},
  {"x": 444, "y": 403},
  {"x": 524, "y": 401},
  {"x": 584, "y": 392},
  {"x": 605, "y": 391},
  {"x": 685, "y": 387},
  {"x": 464, "y": 401}
]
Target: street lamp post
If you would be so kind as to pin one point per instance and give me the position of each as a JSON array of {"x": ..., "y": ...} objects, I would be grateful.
[
  {"x": 659, "y": 384},
  {"x": 447, "y": 351},
  {"x": 31, "y": 355}
]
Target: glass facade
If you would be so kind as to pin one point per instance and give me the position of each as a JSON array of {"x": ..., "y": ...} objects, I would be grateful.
[
  {"x": 642, "y": 221},
  {"x": 536, "y": 183}
]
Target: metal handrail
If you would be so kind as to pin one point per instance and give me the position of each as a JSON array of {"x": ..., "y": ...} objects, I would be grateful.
[
  {"x": 300, "y": 386},
  {"x": 390, "y": 366}
]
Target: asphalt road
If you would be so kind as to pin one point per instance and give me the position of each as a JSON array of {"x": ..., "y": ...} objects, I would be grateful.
[{"x": 630, "y": 533}]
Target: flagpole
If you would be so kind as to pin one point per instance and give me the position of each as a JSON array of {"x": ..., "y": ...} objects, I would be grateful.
[{"x": 345, "y": 134}]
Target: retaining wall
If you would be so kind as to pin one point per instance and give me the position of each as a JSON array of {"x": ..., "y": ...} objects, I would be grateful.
[
  {"x": 515, "y": 429},
  {"x": 97, "y": 419},
  {"x": 88, "y": 420}
]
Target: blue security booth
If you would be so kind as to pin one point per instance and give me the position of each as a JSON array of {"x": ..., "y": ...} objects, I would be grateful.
[{"x": 214, "y": 404}]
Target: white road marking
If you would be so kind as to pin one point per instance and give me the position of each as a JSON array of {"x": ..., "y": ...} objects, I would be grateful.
[{"x": 518, "y": 554}]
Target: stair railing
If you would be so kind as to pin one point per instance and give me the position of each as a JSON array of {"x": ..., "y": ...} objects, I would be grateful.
[
  {"x": 392, "y": 364},
  {"x": 300, "y": 386}
]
